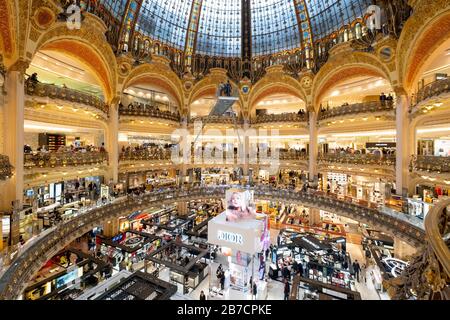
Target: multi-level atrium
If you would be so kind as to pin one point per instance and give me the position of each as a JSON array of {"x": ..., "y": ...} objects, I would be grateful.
[{"x": 126, "y": 125}]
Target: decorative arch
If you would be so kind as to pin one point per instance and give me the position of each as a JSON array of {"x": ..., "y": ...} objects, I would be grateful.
[
  {"x": 88, "y": 45},
  {"x": 276, "y": 81},
  {"x": 343, "y": 66},
  {"x": 208, "y": 85},
  {"x": 423, "y": 33},
  {"x": 159, "y": 74}
]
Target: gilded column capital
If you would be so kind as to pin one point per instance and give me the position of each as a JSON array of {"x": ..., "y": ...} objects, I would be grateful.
[{"x": 400, "y": 91}]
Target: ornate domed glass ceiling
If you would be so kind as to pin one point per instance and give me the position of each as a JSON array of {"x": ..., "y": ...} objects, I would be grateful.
[{"x": 215, "y": 27}]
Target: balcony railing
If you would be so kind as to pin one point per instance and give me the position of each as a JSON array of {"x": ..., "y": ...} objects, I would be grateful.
[
  {"x": 433, "y": 89},
  {"x": 146, "y": 155},
  {"x": 225, "y": 119},
  {"x": 294, "y": 155},
  {"x": 51, "y": 91},
  {"x": 358, "y": 108},
  {"x": 64, "y": 159},
  {"x": 150, "y": 111},
  {"x": 430, "y": 164},
  {"x": 284, "y": 117},
  {"x": 357, "y": 159},
  {"x": 5, "y": 168}
]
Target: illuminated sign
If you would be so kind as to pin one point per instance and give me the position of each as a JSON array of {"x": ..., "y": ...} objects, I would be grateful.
[{"x": 230, "y": 237}]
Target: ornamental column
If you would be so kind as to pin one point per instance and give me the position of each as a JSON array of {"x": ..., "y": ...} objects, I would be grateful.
[
  {"x": 403, "y": 150},
  {"x": 246, "y": 148},
  {"x": 112, "y": 142},
  {"x": 13, "y": 133},
  {"x": 313, "y": 147}
]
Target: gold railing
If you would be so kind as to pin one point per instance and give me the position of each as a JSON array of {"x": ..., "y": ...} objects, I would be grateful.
[
  {"x": 284, "y": 117},
  {"x": 437, "y": 227},
  {"x": 5, "y": 168},
  {"x": 225, "y": 119},
  {"x": 146, "y": 155},
  {"x": 294, "y": 155},
  {"x": 430, "y": 163},
  {"x": 64, "y": 159},
  {"x": 433, "y": 89},
  {"x": 148, "y": 111},
  {"x": 358, "y": 108},
  {"x": 357, "y": 159},
  {"x": 54, "y": 92}
]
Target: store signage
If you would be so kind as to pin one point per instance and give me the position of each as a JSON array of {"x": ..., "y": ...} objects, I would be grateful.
[
  {"x": 230, "y": 237},
  {"x": 370, "y": 145}
]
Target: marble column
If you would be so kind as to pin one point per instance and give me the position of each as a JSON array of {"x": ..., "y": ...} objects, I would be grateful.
[
  {"x": 112, "y": 143},
  {"x": 403, "y": 151},
  {"x": 246, "y": 142},
  {"x": 13, "y": 135},
  {"x": 313, "y": 147},
  {"x": 314, "y": 217}
]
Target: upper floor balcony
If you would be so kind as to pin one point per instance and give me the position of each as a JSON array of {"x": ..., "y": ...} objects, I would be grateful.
[
  {"x": 155, "y": 154},
  {"x": 39, "y": 90},
  {"x": 47, "y": 160},
  {"x": 357, "y": 159},
  {"x": 430, "y": 164},
  {"x": 152, "y": 110},
  {"x": 428, "y": 98},
  {"x": 5, "y": 168},
  {"x": 364, "y": 108},
  {"x": 280, "y": 118},
  {"x": 224, "y": 120}
]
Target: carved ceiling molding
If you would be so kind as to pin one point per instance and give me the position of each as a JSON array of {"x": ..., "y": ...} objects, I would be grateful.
[
  {"x": 423, "y": 32},
  {"x": 345, "y": 65}
]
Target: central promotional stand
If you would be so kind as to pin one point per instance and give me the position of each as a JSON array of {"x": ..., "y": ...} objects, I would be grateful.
[{"x": 242, "y": 234}]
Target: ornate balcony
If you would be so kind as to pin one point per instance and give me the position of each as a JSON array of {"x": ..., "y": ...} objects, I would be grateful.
[
  {"x": 430, "y": 164},
  {"x": 294, "y": 155},
  {"x": 64, "y": 159},
  {"x": 225, "y": 119},
  {"x": 357, "y": 159},
  {"x": 146, "y": 155},
  {"x": 70, "y": 95},
  {"x": 431, "y": 90},
  {"x": 5, "y": 168},
  {"x": 149, "y": 111},
  {"x": 359, "y": 108},
  {"x": 283, "y": 118}
]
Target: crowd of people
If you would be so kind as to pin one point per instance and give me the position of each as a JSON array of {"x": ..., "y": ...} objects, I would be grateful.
[
  {"x": 382, "y": 152},
  {"x": 151, "y": 108}
]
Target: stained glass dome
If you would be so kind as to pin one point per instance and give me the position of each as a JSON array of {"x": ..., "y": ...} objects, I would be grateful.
[{"x": 215, "y": 27}]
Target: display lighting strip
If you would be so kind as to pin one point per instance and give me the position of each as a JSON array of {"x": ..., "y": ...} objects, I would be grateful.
[
  {"x": 191, "y": 37},
  {"x": 304, "y": 25}
]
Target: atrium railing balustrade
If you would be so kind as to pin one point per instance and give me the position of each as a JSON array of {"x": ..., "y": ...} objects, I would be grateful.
[
  {"x": 224, "y": 119},
  {"x": 38, "y": 89},
  {"x": 151, "y": 110},
  {"x": 65, "y": 159},
  {"x": 357, "y": 159},
  {"x": 5, "y": 168},
  {"x": 430, "y": 164},
  {"x": 358, "y": 108},
  {"x": 281, "y": 118},
  {"x": 431, "y": 90},
  {"x": 146, "y": 155}
]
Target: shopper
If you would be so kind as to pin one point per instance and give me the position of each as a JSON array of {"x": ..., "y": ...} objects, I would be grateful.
[
  {"x": 356, "y": 269},
  {"x": 255, "y": 289},
  {"x": 287, "y": 289},
  {"x": 222, "y": 280},
  {"x": 202, "y": 296}
]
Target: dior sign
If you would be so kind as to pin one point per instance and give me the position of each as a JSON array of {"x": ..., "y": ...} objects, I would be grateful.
[{"x": 230, "y": 237}]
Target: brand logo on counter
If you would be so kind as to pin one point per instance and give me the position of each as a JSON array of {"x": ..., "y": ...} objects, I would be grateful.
[{"x": 230, "y": 237}]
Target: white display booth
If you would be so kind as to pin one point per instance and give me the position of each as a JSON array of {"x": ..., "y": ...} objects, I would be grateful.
[{"x": 245, "y": 239}]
